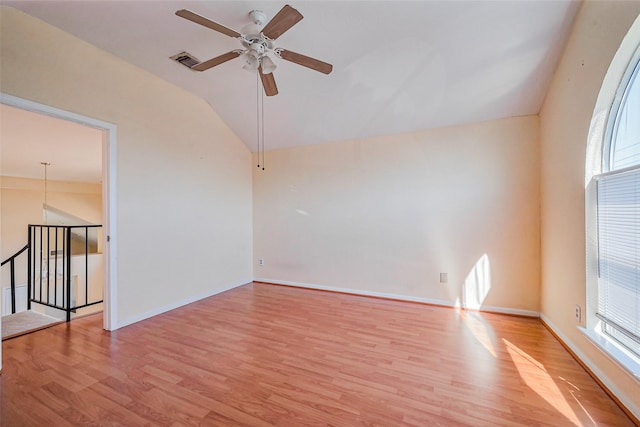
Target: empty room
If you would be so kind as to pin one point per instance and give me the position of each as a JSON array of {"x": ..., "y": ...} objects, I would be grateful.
[{"x": 329, "y": 213}]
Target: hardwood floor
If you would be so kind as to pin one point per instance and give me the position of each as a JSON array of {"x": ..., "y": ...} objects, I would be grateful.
[{"x": 272, "y": 355}]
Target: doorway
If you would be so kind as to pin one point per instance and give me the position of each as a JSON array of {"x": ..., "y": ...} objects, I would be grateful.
[{"x": 106, "y": 136}]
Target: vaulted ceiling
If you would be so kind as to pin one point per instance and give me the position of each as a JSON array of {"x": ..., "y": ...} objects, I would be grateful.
[{"x": 398, "y": 66}]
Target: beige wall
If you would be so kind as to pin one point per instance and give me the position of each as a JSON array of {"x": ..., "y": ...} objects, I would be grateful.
[
  {"x": 565, "y": 120},
  {"x": 22, "y": 205},
  {"x": 388, "y": 214},
  {"x": 179, "y": 168},
  {"x": 1, "y": 280}
]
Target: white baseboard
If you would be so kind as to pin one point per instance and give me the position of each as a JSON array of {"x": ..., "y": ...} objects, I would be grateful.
[
  {"x": 510, "y": 311},
  {"x": 625, "y": 400},
  {"x": 443, "y": 303},
  {"x": 146, "y": 315}
]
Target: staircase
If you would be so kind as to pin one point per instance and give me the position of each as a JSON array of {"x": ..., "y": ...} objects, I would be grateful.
[{"x": 64, "y": 272}]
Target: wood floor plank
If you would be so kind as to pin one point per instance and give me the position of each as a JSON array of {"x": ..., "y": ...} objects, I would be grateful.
[{"x": 262, "y": 355}]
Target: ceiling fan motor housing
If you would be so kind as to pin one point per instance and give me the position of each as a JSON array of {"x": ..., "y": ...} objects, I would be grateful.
[
  {"x": 252, "y": 41},
  {"x": 257, "y": 48}
]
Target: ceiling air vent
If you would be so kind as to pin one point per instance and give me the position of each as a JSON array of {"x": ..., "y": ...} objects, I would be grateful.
[{"x": 186, "y": 59}]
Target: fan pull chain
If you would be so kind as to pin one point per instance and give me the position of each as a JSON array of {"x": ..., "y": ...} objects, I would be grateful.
[
  {"x": 262, "y": 121},
  {"x": 258, "y": 114}
]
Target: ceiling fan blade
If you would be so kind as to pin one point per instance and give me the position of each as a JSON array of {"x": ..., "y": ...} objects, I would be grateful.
[
  {"x": 216, "y": 61},
  {"x": 306, "y": 61},
  {"x": 198, "y": 19},
  {"x": 269, "y": 83},
  {"x": 285, "y": 19}
]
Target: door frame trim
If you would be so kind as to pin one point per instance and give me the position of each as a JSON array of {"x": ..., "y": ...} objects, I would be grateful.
[{"x": 109, "y": 132}]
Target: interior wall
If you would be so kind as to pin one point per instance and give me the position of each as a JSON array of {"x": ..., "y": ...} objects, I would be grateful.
[
  {"x": 1, "y": 279},
  {"x": 565, "y": 120},
  {"x": 387, "y": 215},
  {"x": 22, "y": 205},
  {"x": 183, "y": 199}
]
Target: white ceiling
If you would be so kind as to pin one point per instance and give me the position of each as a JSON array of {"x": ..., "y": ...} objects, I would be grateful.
[
  {"x": 27, "y": 139},
  {"x": 398, "y": 66}
]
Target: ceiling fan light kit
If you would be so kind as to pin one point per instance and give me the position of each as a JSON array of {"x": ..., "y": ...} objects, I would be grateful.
[
  {"x": 251, "y": 60},
  {"x": 268, "y": 66}
]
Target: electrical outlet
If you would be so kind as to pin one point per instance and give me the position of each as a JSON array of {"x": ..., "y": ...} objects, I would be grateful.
[
  {"x": 260, "y": 261},
  {"x": 578, "y": 313},
  {"x": 444, "y": 277}
]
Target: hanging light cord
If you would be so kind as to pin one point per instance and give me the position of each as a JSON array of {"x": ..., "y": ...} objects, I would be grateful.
[
  {"x": 262, "y": 122},
  {"x": 45, "y": 164}
]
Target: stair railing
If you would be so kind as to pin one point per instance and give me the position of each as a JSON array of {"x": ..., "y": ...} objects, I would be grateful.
[
  {"x": 64, "y": 239},
  {"x": 12, "y": 265}
]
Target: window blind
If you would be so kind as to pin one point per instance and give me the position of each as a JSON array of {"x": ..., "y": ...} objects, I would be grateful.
[{"x": 619, "y": 256}]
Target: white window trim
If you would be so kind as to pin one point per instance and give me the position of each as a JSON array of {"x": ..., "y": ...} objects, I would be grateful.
[
  {"x": 616, "y": 353},
  {"x": 597, "y": 163}
]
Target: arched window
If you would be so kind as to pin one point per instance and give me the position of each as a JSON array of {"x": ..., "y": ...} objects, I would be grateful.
[
  {"x": 618, "y": 220},
  {"x": 624, "y": 140}
]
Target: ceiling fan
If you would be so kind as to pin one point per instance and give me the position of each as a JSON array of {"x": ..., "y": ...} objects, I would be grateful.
[{"x": 257, "y": 40}]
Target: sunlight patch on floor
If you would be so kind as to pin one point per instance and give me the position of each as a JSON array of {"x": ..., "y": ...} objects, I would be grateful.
[
  {"x": 478, "y": 327},
  {"x": 537, "y": 379}
]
